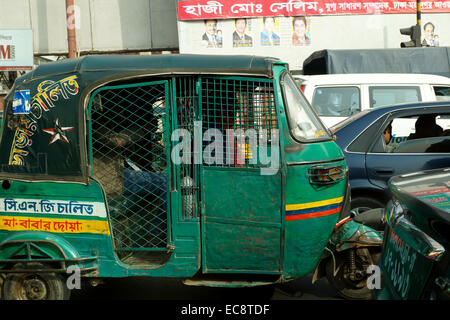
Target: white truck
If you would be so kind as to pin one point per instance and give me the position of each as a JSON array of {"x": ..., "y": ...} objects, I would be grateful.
[{"x": 335, "y": 97}]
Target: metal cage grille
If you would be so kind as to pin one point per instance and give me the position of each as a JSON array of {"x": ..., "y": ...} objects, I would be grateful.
[
  {"x": 187, "y": 112},
  {"x": 241, "y": 109},
  {"x": 132, "y": 126},
  {"x": 129, "y": 160}
]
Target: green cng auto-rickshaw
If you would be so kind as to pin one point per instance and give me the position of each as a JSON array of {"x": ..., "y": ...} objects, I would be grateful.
[{"x": 212, "y": 169}]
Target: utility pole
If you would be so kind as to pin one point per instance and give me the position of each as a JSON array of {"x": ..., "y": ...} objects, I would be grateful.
[
  {"x": 71, "y": 35},
  {"x": 419, "y": 23}
]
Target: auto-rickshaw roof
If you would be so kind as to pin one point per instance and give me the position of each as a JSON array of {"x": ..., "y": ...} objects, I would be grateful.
[
  {"x": 430, "y": 187},
  {"x": 153, "y": 64}
]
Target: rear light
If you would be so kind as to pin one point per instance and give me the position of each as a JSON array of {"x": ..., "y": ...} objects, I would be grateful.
[
  {"x": 302, "y": 87},
  {"x": 326, "y": 175}
]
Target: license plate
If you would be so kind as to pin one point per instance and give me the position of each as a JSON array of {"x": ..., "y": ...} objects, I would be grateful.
[{"x": 405, "y": 270}]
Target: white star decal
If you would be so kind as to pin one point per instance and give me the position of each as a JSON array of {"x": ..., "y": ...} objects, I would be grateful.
[{"x": 58, "y": 132}]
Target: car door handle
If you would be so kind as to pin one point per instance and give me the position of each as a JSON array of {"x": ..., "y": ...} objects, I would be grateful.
[{"x": 384, "y": 170}]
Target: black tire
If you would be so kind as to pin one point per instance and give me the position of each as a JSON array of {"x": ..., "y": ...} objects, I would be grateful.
[
  {"x": 361, "y": 204},
  {"x": 345, "y": 287},
  {"x": 2, "y": 280},
  {"x": 34, "y": 285}
]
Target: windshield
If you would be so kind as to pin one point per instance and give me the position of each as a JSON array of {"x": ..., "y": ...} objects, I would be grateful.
[
  {"x": 336, "y": 101},
  {"x": 303, "y": 122}
]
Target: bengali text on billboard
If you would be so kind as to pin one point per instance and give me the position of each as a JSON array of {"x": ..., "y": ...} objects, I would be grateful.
[{"x": 227, "y": 9}]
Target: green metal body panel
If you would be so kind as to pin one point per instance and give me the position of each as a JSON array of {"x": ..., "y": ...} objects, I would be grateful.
[
  {"x": 51, "y": 245},
  {"x": 182, "y": 264},
  {"x": 249, "y": 223},
  {"x": 307, "y": 234},
  {"x": 70, "y": 246},
  {"x": 242, "y": 230},
  {"x": 415, "y": 260}
]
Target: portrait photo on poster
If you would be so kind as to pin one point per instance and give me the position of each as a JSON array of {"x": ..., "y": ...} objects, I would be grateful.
[
  {"x": 270, "y": 30},
  {"x": 212, "y": 37},
  {"x": 241, "y": 37},
  {"x": 301, "y": 35},
  {"x": 430, "y": 36}
]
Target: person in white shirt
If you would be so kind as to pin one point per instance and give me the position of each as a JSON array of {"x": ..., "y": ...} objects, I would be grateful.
[
  {"x": 428, "y": 32},
  {"x": 209, "y": 37}
]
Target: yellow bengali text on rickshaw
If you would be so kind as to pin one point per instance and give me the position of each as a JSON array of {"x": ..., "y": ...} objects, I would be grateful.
[{"x": 15, "y": 223}]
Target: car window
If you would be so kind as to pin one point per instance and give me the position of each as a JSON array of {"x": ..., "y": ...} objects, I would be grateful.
[
  {"x": 364, "y": 141},
  {"x": 336, "y": 101},
  {"x": 442, "y": 93},
  {"x": 380, "y": 96},
  {"x": 424, "y": 145},
  {"x": 424, "y": 133}
]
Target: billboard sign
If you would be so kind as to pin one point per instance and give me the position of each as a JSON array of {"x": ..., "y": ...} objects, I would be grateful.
[
  {"x": 16, "y": 50},
  {"x": 227, "y": 9}
]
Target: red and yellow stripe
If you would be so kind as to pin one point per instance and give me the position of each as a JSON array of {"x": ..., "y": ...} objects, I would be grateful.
[{"x": 313, "y": 209}]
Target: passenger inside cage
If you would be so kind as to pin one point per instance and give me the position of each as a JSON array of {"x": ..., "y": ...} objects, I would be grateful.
[{"x": 114, "y": 146}]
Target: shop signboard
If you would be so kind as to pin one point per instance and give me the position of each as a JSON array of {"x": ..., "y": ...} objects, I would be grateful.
[{"x": 16, "y": 50}]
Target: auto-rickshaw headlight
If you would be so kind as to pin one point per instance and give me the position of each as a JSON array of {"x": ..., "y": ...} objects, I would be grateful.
[{"x": 326, "y": 174}]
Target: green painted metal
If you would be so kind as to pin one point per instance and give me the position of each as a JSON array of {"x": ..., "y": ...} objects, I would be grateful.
[
  {"x": 250, "y": 225},
  {"x": 241, "y": 229},
  {"x": 50, "y": 245},
  {"x": 227, "y": 218},
  {"x": 353, "y": 234},
  {"x": 306, "y": 237},
  {"x": 409, "y": 258}
]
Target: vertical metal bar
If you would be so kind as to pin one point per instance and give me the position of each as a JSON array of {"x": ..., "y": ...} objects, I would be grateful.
[
  {"x": 28, "y": 251},
  {"x": 166, "y": 138},
  {"x": 89, "y": 134},
  {"x": 174, "y": 126}
]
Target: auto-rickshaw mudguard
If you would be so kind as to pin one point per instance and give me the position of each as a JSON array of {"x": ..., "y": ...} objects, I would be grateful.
[
  {"x": 348, "y": 235},
  {"x": 353, "y": 234},
  {"x": 42, "y": 246}
]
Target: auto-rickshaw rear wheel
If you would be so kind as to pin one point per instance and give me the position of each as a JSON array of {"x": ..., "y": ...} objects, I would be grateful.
[
  {"x": 350, "y": 285},
  {"x": 2, "y": 280},
  {"x": 35, "y": 285}
]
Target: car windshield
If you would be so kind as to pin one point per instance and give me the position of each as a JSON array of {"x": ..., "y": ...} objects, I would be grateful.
[
  {"x": 303, "y": 122},
  {"x": 336, "y": 101}
]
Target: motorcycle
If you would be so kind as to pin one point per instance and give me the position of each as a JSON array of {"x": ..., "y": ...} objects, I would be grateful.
[{"x": 355, "y": 244}]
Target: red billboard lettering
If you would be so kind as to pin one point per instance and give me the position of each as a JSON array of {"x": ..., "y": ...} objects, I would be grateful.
[{"x": 5, "y": 52}]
